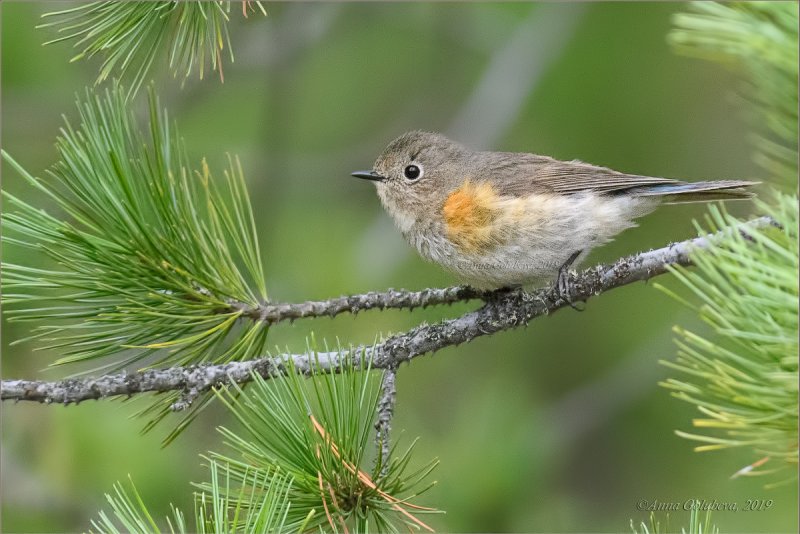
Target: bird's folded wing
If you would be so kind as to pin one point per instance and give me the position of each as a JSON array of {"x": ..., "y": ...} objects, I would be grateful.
[{"x": 523, "y": 174}]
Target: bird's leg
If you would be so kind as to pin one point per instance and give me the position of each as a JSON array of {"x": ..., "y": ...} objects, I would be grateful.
[{"x": 563, "y": 285}]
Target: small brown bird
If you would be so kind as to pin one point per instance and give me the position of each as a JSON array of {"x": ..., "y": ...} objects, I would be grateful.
[{"x": 501, "y": 219}]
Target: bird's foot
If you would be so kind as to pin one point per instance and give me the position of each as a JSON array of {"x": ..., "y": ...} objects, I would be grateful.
[{"x": 563, "y": 287}]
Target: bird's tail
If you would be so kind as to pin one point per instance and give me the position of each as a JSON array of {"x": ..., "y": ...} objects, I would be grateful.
[{"x": 685, "y": 192}]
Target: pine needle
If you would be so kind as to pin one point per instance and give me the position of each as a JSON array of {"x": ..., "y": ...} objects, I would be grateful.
[
  {"x": 129, "y": 36},
  {"x": 744, "y": 380},
  {"x": 318, "y": 429},
  {"x": 145, "y": 257}
]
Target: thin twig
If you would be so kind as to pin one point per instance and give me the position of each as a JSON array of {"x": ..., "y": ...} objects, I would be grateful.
[
  {"x": 392, "y": 298},
  {"x": 504, "y": 311},
  {"x": 383, "y": 425}
]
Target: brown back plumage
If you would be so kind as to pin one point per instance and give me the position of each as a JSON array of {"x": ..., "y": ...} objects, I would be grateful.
[{"x": 520, "y": 174}]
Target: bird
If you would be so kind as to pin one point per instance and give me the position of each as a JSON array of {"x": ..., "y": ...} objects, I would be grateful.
[{"x": 509, "y": 219}]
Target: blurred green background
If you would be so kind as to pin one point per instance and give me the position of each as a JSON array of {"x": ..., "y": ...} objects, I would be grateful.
[{"x": 556, "y": 427}]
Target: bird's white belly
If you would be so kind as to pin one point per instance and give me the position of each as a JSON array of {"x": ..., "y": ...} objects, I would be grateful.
[{"x": 539, "y": 235}]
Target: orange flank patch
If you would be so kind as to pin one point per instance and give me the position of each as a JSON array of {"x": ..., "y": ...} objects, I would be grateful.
[{"x": 470, "y": 214}]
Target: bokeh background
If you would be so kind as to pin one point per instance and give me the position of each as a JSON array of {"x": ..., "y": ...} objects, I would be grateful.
[{"x": 557, "y": 427}]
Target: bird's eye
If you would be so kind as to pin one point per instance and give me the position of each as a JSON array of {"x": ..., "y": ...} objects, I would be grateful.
[{"x": 412, "y": 172}]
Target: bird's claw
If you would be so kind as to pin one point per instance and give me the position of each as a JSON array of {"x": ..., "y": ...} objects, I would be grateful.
[{"x": 563, "y": 287}]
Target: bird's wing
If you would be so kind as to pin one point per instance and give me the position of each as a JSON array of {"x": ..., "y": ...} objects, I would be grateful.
[{"x": 523, "y": 174}]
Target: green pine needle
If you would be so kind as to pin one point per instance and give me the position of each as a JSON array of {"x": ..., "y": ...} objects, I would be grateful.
[
  {"x": 130, "y": 35},
  {"x": 696, "y": 525},
  {"x": 266, "y": 495},
  {"x": 297, "y": 465},
  {"x": 318, "y": 430},
  {"x": 149, "y": 260},
  {"x": 744, "y": 379},
  {"x": 760, "y": 39}
]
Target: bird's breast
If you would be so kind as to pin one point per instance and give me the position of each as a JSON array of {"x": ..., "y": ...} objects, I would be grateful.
[{"x": 472, "y": 217}]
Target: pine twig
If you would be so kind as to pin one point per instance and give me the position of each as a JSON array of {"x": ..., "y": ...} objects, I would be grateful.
[
  {"x": 383, "y": 425},
  {"x": 272, "y": 313},
  {"x": 503, "y": 311}
]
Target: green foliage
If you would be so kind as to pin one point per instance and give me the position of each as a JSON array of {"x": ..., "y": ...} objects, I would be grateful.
[
  {"x": 319, "y": 431},
  {"x": 298, "y": 465},
  {"x": 160, "y": 263},
  {"x": 130, "y": 35},
  {"x": 266, "y": 493},
  {"x": 696, "y": 525},
  {"x": 760, "y": 39},
  {"x": 745, "y": 381},
  {"x": 152, "y": 260},
  {"x": 145, "y": 256}
]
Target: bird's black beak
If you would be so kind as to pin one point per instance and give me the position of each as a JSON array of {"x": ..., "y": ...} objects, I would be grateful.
[{"x": 368, "y": 175}]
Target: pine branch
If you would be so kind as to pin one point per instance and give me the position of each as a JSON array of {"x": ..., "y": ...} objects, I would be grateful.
[
  {"x": 146, "y": 256},
  {"x": 317, "y": 430},
  {"x": 743, "y": 378},
  {"x": 504, "y": 310},
  {"x": 383, "y": 425},
  {"x": 299, "y": 448},
  {"x": 152, "y": 252},
  {"x": 397, "y": 299}
]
